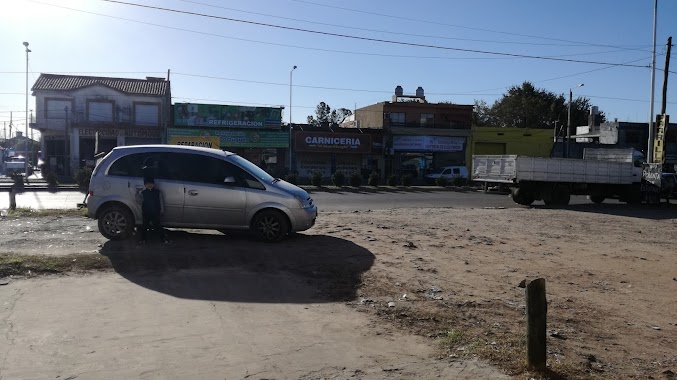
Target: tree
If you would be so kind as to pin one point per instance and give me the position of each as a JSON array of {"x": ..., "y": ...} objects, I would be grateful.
[
  {"x": 325, "y": 115},
  {"x": 526, "y": 106},
  {"x": 481, "y": 116}
]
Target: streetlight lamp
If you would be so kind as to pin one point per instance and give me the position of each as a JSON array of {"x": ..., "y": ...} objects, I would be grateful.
[
  {"x": 566, "y": 147},
  {"x": 26, "y": 136},
  {"x": 290, "y": 127}
]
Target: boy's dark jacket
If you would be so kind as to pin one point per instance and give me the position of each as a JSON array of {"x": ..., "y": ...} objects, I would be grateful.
[{"x": 151, "y": 202}]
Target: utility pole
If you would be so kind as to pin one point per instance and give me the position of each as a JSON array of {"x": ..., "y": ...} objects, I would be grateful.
[
  {"x": 66, "y": 146},
  {"x": 662, "y": 120},
  {"x": 35, "y": 159},
  {"x": 10, "y": 124},
  {"x": 4, "y": 130},
  {"x": 665, "y": 76},
  {"x": 26, "y": 136},
  {"x": 649, "y": 151},
  {"x": 290, "y": 120}
]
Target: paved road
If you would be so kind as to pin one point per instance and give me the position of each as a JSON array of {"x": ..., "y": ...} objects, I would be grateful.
[
  {"x": 190, "y": 324},
  {"x": 326, "y": 201},
  {"x": 433, "y": 199}
]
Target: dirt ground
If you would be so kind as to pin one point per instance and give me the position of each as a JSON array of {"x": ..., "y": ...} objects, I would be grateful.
[{"x": 450, "y": 275}]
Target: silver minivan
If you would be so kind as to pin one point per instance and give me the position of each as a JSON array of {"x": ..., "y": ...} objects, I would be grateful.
[{"x": 202, "y": 188}]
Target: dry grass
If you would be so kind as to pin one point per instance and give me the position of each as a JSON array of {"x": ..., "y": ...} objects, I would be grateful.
[
  {"x": 463, "y": 330},
  {"x": 21, "y": 212},
  {"x": 19, "y": 265}
]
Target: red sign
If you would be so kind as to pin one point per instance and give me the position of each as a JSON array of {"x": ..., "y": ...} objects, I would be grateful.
[{"x": 358, "y": 143}]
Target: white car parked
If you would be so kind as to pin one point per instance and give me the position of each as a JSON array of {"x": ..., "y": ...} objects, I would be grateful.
[{"x": 448, "y": 172}]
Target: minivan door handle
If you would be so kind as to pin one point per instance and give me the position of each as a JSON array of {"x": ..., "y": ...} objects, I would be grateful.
[{"x": 193, "y": 192}]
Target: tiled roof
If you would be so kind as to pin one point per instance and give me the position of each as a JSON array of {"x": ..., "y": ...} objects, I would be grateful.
[{"x": 54, "y": 82}]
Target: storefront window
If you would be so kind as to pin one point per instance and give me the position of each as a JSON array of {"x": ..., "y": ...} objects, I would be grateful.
[{"x": 415, "y": 164}]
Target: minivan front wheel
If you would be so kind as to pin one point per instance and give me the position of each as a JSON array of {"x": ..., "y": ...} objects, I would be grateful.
[
  {"x": 116, "y": 223},
  {"x": 270, "y": 225}
]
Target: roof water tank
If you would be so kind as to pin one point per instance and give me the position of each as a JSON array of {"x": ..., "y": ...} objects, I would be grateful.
[
  {"x": 419, "y": 92},
  {"x": 594, "y": 110},
  {"x": 399, "y": 91}
]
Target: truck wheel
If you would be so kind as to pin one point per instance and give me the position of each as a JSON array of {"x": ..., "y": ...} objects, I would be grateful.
[
  {"x": 116, "y": 222},
  {"x": 522, "y": 197},
  {"x": 596, "y": 198}
]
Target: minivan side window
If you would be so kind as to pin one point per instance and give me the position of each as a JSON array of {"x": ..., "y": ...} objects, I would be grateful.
[
  {"x": 457, "y": 171},
  {"x": 127, "y": 166},
  {"x": 157, "y": 165},
  {"x": 204, "y": 169}
]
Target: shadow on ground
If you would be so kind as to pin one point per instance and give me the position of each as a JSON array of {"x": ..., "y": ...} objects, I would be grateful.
[
  {"x": 653, "y": 212},
  {"x": 238, "y": 268}
]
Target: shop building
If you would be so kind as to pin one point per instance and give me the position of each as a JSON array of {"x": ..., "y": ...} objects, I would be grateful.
[
  {"x": 419, "y": 136},
  {"x": 80, "y": 116},
  {"x": 617, "y": 134},
  {"x": 521, "y": 141},
  {"x": 329, "y": 150},
  {"x": 254, "y": 133}
]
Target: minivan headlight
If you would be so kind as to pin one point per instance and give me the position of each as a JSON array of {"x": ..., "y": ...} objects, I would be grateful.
[{"x": 304, "y": 203}]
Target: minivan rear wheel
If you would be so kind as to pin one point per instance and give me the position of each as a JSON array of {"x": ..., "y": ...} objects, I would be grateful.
[
  {"x": 270, "y": 225},
  {"x": 116, "y": 223}
]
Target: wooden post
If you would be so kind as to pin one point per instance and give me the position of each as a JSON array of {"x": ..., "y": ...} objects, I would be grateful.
[
  {"x": 537, "y": 308},
  {"x": 12, "y": 198}
]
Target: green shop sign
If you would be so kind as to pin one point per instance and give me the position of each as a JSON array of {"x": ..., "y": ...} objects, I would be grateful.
[
  {"x": 236, "y": 139},
  {"x": 215, "y": 115}
]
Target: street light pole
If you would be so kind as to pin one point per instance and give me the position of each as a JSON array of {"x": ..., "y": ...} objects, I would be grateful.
[
  {"x": 26, "y": 136},
  {"x": 290, "y": 127},
  {"x": 649, "y": 151},
  {"x": 566, "y": 146}
]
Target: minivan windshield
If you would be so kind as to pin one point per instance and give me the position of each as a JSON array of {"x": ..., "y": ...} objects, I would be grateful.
[{"x": 252, "y": 169}]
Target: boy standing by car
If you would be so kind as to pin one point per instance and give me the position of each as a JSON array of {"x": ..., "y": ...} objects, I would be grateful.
[{"x": 152, "y": 208}]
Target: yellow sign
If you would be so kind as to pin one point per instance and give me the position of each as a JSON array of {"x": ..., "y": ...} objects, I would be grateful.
[
  {"x": 203, "y": 141},
  {"x": 660, "y": 129}
]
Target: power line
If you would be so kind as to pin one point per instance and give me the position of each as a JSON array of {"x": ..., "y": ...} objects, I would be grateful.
[
  {"x": 560, "y": 77},
  {"x": 366, "y": 38},
  {"x": 87, "y": 72},
  {"x": 306, "y": 86},
  {"x": 296, "y": 46},
  {"x": 387, "y": 31},
  {"x": 460, "y": 26}
]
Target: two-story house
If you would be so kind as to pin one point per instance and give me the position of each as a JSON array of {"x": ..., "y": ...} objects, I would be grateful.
[
  {"x": 81, "y": 116},
  {"x": 418, "y": 135}
]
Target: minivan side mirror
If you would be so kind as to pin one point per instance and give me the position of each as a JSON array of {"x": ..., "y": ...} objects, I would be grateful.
[{"x": 229, "y": 181}]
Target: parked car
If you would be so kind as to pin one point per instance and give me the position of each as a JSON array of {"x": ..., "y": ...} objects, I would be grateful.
[
  {"x": 202, "y": 188},
  {"x": 17, "y": 165},
  {"x": 448, "y": 172}
]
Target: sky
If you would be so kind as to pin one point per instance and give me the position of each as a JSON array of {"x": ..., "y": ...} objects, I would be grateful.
[{"x": 458, "y": 51}]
